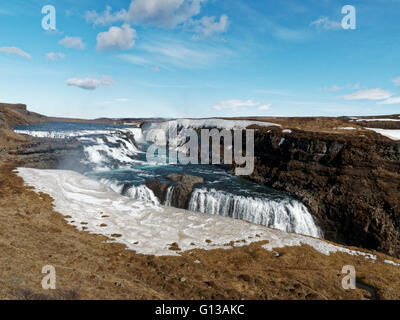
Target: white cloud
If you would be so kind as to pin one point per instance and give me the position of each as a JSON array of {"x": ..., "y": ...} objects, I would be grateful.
[
  {"x": 72, "y": 43},
  {"x": 15, "y": 51},
  {"x": 90, "y": 83},
  {"x": 236, "y": 104},
  {"x": 393, "y": 100},
  {"x": 54, "y": 56},
  {"x": 105, "y": 18},
  {"x": 265, "y": 107},
  {"x": 164, "y": 14},
  {"x": 117, "y": 38},
  {"x": 324, "y": 23},
  {"x": 160, "y": 13},
  {"x": 335, "y": 87},
  {"x": 208, "y": 26},
  {"x": 396, "y": 81},
  {"x": 369, "y": 94},
  {"x": 122, "y": 100}
]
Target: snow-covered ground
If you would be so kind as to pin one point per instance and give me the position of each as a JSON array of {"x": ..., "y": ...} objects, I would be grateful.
[
  {"x": 151, "y": 229},
  {"x": 392, "y": 134},
  {"x": 375, "y": 120}
]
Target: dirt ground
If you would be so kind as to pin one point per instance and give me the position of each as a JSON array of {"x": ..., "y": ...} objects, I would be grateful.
[{"x": 33, "y": 235}]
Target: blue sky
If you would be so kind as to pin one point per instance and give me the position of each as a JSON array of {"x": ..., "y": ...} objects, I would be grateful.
[{"x": 201, "y": 58}]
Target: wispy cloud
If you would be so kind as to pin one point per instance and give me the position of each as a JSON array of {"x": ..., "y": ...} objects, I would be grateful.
[
  {"x": 138, "y": 60},
  {"x": 264, "y": 107},
  {"x": 236, "y": 104},
  {"x": 335, "y": 88},
  {"x": 15, "y": 51},
  {"x": 54, "y": 56},
  {"x": 324, "y": 23},
  {"x": 170, "y": 54},
  {"x": 393, "y": 100},
  {"x": 369, "y": 94},
  {"x": 396, "y": 81}
]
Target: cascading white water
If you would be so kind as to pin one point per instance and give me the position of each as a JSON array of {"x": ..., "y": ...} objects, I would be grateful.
[
  {"x": 168, "y": 197},
  {"x": 286, "y": 214},
  {"x": 140, "y": 192},
  {"x": 113, "y": 185},
  {"x": 104, "y": 149},
  {"x": 112, "y": 149}
]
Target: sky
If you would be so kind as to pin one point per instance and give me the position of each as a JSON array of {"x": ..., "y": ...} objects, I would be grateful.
[{"x": 200, "y": 58}]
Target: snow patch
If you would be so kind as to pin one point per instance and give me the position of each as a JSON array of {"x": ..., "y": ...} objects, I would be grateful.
[
  {"x": 283, "y": 239},
  {"x": 392, "y": 263},
  {"x": 391, "y": 134},
  {"x": 375, "y": 120}
]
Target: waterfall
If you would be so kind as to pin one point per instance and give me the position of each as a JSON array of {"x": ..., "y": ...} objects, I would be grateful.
[
  {"x": 140, "y": 192},
  {"x": 168, "y": 197},
  {"x": 113, "y": 185},
  {"x": 286, "y": 214}
]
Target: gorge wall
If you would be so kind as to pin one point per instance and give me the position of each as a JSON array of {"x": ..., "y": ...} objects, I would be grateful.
[{"x": 351, "y": 183}]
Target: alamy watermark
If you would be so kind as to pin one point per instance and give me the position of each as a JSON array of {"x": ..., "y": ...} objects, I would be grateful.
[
  {"x": 185, "y": 146},
  {"x": 349, "y": 21},
  {"x": 49, "y": 20},
  {"x": 49, "y": 280},
  {"x": 349, "y": 281}
]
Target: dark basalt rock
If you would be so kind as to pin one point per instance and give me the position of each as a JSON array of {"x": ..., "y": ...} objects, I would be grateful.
[
  {"x": 350, "y": 183},
  {"x": 183, "y": 186},
  {"x": 43, "y": 153},
  {"x": 159, "y": 188}
]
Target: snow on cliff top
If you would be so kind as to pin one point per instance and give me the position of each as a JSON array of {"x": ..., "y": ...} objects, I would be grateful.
[
  {"x": 212, "y": 123},
  {"x": 391, "y": 134},
  {"x": 150, "y": 229}
]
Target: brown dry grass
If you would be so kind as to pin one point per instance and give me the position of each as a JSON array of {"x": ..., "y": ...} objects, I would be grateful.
[
  {"x": 9, "y": 137},
  {"x": 32, "y": 235}
]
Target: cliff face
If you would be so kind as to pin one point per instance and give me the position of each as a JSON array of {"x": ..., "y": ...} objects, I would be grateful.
[
  {"x": 351, "y": 183},
  {"x": 36, "y": 152},
  {"x": 17, "y": 114}
]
